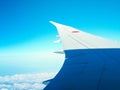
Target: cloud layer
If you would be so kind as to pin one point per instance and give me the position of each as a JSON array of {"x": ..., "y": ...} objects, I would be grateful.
[{"x": 25, "y": 81}]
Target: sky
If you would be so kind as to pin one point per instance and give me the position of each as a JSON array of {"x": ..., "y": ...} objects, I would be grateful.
[{"x": 26, "y": 36}]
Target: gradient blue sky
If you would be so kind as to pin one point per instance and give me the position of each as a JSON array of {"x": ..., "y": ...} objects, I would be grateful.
[{"x": 25, "y": 29}]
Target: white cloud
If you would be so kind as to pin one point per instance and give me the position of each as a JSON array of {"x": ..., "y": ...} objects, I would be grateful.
[{"x": 25, "y": 81}]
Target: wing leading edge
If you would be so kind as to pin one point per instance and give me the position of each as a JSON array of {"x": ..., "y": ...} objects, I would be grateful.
[{"x": 91, "y": 62}]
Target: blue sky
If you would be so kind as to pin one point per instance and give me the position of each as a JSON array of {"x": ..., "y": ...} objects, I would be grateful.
[{"x": 25, "y": 29}]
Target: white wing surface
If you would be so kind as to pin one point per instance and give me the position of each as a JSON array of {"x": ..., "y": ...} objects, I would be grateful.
[{"x": 72, "y": 38}]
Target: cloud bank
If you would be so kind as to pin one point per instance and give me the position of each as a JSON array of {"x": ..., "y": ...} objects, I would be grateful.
[{"x": 25, "y": 81}]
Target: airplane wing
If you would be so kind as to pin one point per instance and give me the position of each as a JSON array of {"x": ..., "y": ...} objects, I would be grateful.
[{"x": 91, "y": 62}]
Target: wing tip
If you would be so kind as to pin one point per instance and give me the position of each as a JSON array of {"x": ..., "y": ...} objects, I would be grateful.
[{"x": 54, "y": 23}]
